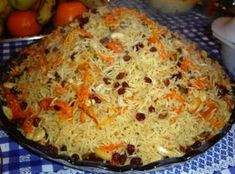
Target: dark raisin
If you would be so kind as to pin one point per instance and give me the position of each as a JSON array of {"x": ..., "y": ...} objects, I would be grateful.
[
  {"x": 182, "y": 89},
  {"x": 162, "y": 115},
  {"x": 126, "y": 58},
  {"x": 182, "y": 149},
  {"x": 73, "y": 56},
  {"x": 97, "y": 99},
  {"x": 136, "y": 162},
  {"x": 138, "y": 46},
  {"x": 130, "y": 149},
  {"x": 36, "y": 121},
  {"x": 185, "y": 149},
  {"x": 116, "y": 84},
  {"x": 166, "y": 82},
  {"x": 151, "y": 109},
  {"x": 115, "y": 157},
  {"x": 104, "y": 40},
  {"x": 140, "y": 116},
  {"x": 57, "y": 108},
  {"x": 94, "y": 10},
  {"x": 63, "y": 148},
  {"x": 122, "y": 159},
  {"x": 15, "y": 91},
  {"x": 121, "y": 91},
  {"x": 106, "y": 80},
  {"x": 83, "y": 21},
  {"x": 125, "y": 85},
  {"x": 204, "y": 135},
  {"x": 23, "y": 105},
  {"x": 52, "y": 150},
  {"x": 63, "y": 83},
  {"x": 62, "y": 30},
  {"x": 222, "y": 90},
  {"x": 147, "y": 80},
  {"x": 47, "y": 51},
  {"x": 179, "y": 50},
  {"x": 121, "y": 75},
  {"x": 75, "y": 157},
  {"x": 57, "y": 77},
  {"x": 55, "y": 49},
  {"x": 196, "y": 144},
  {"x": 153, "y": 49},
  {"x": 93, "y": 157},
  {"x": 177, "y": 76}
]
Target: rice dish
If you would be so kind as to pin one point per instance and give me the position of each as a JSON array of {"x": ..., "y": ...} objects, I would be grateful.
[{"x": 119, "y": 88}]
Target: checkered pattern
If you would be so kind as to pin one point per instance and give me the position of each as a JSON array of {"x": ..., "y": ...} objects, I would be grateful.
[{"x": 220, "y": 159}]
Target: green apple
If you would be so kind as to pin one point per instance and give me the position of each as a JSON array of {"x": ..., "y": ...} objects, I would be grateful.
[{"x": 22, "y": 4}]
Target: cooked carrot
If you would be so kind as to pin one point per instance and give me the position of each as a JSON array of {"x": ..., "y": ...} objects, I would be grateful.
[
  {"x": 66, "y": 111},
  {"x": 173, "y": 94},
  {"x": 198, "y": 84},
  {"x": 14, "y": 105},
  {"x": 45, "y": 104},
  {"x": 211, "y": 107},
  {"x": 185, "y": 65},
  {"x": 27, "y": 126},
  {"x": 159, "y": 45},
  {"x": 111, "y": 147},
  {"x": 105, "y": 58},
  {"x": 59, "y": 90},
  {"x": 116, "y": 46}
]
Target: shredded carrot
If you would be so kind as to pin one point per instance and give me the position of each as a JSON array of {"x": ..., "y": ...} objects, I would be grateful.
[
  {"x": 84, "y": 32},
  {"x": 152, "y": 40},
  {"x": 111, "y": 147},
  {"x": 45, "y": 104},
  {"x": 116, "y": 46},
  {"x": 59, "y": 89},
  {"x": 212, "y": 106},
  {"x": 159, "y": 45},
  {"x": 105, "y": 58},
  {"x": 198, "y": 84},
  {"x": 173, "y": 94},
  {"x": 185, "y": 65},
  {"x": 27, "y": 126},
  {"x": 14, "y": 105},
  {"x": 66, "y": 111}
]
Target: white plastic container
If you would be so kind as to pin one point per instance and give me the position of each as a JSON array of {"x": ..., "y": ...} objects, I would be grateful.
[{"x": 224, "y": 29}]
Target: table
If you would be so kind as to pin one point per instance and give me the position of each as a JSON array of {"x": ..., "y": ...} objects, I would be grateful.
[{"x": 219, "y": 159}]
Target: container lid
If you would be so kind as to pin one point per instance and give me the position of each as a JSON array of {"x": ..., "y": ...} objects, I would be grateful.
[{"x": 224, "y": 29}]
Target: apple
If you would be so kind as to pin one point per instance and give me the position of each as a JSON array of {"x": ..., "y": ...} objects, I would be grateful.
[{"x": 22, "y": 4}]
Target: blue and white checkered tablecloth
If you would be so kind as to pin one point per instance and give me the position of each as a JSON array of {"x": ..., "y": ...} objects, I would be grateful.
[{"x": 220, "y": 159}]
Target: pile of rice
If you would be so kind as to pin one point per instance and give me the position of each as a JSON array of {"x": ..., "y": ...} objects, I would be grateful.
[{"x": 117, "y": 87}]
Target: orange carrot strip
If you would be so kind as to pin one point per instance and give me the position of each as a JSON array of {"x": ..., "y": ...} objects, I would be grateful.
[
  {"x": 111, "y": 147},
  {"x": 116, "y": 46},
  {"x": 173, "y": 94},
  {"x": 159, "y": 45},
  {"x": 198, "y": 84},
  {"x": 27, "y": 126},
  {"x": 45, "y": 104},
  {"x": 59, "y": 89},
  {"x": 66, "y": 111},
  {"x": 14, "y": 105},
  {"x": 105, "y": 58},
  {"x": 185, "y": 65}
]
